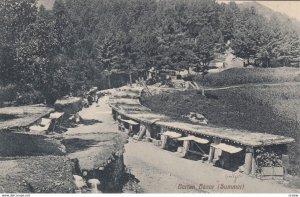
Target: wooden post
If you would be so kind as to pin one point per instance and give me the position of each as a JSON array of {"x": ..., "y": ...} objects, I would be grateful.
[
  {"x": 253, "y": 167},
  {"x": 142, "y": 132},
  {"x": 248, "y": 160},
  {"x": 130, "y": 79},
  {"x": 130, "y": 129},
  {"x": 148, "y": 131},
  {"x": 114, "y": 114},
  {"x": 109, "y": 84},
  {"x": 285, "y": 165},
  {"x": 163, "y": 139},
  {"x": 211, "y": 154},
  {"x": 186, "y": 146}
]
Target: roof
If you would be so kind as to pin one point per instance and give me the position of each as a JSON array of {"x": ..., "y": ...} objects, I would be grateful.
[
  {"x": 172, "y": 134},
  {"x": 92, "y": 90},
  {"x": 68, "y": 100},
  {"x": 195, "y": 139},
  {"x": 132, "y": 109},
  {"x": 124, "y": 101},
  {"x": 147, "y": 117},
  {"x": 56, "y": 115},
  {"x": 24, "y": 115},
  {"x": 130, "y": 122},
  {"x": 235, "y": 135},
  {"x": 227, "y": 148},
  {"x": 129, "y": 108}
]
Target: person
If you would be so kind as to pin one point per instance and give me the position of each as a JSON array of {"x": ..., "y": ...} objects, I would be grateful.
[{"x": 90, "y": 99}]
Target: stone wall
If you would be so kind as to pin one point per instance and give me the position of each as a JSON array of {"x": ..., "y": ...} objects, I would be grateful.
[{"x": 112, "y": 176}]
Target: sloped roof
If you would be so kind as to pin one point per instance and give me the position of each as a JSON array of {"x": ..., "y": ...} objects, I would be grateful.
[
  {"x": 243, "y": 137},
  {"x": 24, "y": 115}
]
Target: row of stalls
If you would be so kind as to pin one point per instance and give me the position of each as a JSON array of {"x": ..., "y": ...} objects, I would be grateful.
[{"x": 231, "y": 149}]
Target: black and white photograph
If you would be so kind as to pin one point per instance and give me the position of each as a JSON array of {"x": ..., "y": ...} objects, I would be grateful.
[{"x": 149, "y": 97}]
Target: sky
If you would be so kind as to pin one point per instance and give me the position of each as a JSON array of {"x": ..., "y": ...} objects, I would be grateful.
[{"x": 290, "y": 8}]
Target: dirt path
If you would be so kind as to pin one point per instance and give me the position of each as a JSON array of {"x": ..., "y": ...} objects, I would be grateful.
[
  {"x": 251, "y": 85},
  {"x": 161, "y": 171},
  {"x": 158, "y": 90},
  {"x": 94, "y": 140},
  {"x": 101, "y": 114}
]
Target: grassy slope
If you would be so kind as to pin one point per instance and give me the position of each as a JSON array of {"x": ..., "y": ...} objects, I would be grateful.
[
  {"x": 237, "y": 76},
  {"x": 270, "y": 109}
]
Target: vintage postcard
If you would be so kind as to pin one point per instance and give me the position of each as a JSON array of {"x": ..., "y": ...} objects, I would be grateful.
[{"x": 149, "y": 96}]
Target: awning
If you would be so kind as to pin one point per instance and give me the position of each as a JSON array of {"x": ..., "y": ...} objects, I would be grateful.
[
  {"x": 56, "y": 115},
  {"x": 195, "y": 139},
  {"x": 92, "y": 90},
  {"x": 45, "y": 121},
  {"x": 171, "y": 134},
  {"x": 227, "y": 148},
  {"x": 130, "y": 122}
]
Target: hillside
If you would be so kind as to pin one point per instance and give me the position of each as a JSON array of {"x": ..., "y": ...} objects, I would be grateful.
[{"x": 268, "y": 13}]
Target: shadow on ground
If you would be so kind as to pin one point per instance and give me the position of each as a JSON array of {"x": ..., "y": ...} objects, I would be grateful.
[
  {"x": 130, "y": 183},
  {"x": 76, "y": 144},
  {"x": 88, "y": 122},
  {"x": 23, "y": 144}
]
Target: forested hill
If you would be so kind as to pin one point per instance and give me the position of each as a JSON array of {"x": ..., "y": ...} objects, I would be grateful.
[
  {"x": 269, "y": 13},
  {"x": 261, "y": 9},
  {"x": 77, "y": 43}
]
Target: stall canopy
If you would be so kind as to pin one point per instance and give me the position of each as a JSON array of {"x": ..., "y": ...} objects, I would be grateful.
[
  {"x": 195, "y": 139},
  {"x": 171, "y": 134},
  {"x": 227, "y": 148},
  {"x": 130, "y": 122}
]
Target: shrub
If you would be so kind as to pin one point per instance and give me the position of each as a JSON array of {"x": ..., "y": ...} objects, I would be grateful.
[
  {"x": 29, "y": 98},
  {"x": 8, "y": 93}
]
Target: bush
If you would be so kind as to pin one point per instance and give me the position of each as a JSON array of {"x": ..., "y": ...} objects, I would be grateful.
[
  {"x": 29, "y": 98},
  {"x": 8, "y": 93}
]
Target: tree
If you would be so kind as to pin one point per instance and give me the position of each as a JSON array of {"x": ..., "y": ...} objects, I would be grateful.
[
  {"x": 37, "y": 56},
  {"x": 264, "y": 40},
  {"x": 108, "y": 56},
  {"x": 228, "y": 16},
  {"x": 244, "y": 42},
  {"x": 204, "y": 51},
  {"x": 16, "y": 15}
]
